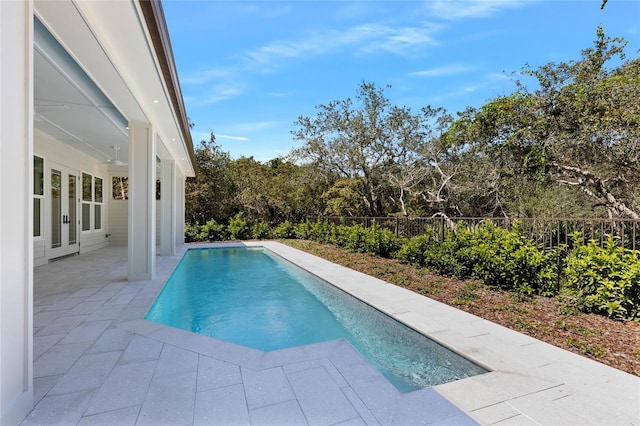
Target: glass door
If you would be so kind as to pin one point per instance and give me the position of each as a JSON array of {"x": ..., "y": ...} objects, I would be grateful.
[{"x": 64, "y": 224}]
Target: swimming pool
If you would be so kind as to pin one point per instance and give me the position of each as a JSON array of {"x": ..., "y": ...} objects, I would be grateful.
[{"x": 252, "y": 297}]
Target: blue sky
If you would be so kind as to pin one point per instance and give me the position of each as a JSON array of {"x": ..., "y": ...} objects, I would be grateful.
[{"x": 248, "y": 70}]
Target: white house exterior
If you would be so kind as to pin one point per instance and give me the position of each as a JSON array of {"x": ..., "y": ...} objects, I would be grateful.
[{"x": 81, "y": 83}]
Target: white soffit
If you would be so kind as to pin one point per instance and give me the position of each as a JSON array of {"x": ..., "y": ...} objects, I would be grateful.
[{"x": 108, "y": 39}]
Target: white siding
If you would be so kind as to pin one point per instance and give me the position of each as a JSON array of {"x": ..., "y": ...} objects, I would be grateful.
[
  {"x": 54, "y": 151},
  {"x": 118, "y": 222}
]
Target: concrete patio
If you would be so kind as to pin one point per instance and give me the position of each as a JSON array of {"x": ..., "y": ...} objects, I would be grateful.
[{"x": 96, "y": 361}]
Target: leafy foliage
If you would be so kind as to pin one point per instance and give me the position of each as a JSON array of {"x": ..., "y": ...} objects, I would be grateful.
[
  {"x": 238, "y": 228},
  {"x": 413, "y": 251},
  {"x": 604, "y": 280},
  {"x": 210, "y": 231},
  {"x": 284, "y": 230}
]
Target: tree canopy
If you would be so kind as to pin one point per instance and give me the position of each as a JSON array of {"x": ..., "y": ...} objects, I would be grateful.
[{"x": 566, "y": 142}]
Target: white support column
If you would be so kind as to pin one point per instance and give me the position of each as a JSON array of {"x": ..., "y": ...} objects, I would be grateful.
[
  {"x": 179, "y": 226},
  {"x": 142, "y": 202},
  {"x": 168, "y": 203},
  {"x": 16, "y": 213}
]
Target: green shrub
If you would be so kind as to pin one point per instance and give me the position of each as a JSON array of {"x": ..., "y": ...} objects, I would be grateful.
[
  {"x": 191, "y": 232},
  {"x": 381, "y": 242},
  {"x": 498, "y": 257},
  {"x": 355, "y": 237},
  {"x": 321, "y": 232},
  {"x": 212, "y": 231},
  {"x": 508, "y": 260},
  {"x": 238, "y": 228},
  {"x": 604, "y": 280},
  {"x": 284, "y": 230},
  {"x": 413, "y": 250},
  {"x": 304, "y": 230},
  {"x": 453, "y": 257},
  {"x": 260, "y": 230},
  {"x": 339, "y": 235}
]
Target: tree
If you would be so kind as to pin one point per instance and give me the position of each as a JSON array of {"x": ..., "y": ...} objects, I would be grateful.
[
  {"x": 587, "y": 126},
  {"x": 578, "y": 127},
  {"x": 353, "y": 140},
  {"x": 210, "y": 194}
]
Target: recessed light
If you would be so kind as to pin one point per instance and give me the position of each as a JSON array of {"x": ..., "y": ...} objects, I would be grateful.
[{"x": 155, "y": 101}]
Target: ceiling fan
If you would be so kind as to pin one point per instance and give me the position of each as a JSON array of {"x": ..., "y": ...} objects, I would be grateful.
[{"x": 114, "y": 161}]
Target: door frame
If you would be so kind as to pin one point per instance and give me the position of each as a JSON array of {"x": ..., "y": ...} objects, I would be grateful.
[{"x": 66, "y": 219}]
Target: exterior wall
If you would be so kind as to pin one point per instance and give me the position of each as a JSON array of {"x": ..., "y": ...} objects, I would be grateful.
[
  {"x": 58, "y": 153},
  {"x": 16, "y": 216},
  {"x": 118, "y": 218}
]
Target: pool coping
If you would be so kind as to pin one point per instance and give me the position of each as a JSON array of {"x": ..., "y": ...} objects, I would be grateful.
[{"x": 529, "y": 380}]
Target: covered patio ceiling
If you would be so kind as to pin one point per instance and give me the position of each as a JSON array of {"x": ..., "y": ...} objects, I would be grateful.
[
  {"x": 104, "y": 75},
  {"x": 69, "y": 106}
]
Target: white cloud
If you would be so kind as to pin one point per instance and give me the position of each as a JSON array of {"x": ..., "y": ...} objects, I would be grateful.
[
  {"x": 232, "y": 138},
  {"x": 493, "y": 83},
  {"x": 460, "y": 9},
  {"x": 443, "y": 71},
  {"x": 218, "y": 93},
  {"x": 206, "y": 76},
  {"x": 368, "y": 38}
]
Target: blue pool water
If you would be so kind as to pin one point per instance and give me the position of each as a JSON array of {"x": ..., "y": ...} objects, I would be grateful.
[{"x": 252, "y": 297}]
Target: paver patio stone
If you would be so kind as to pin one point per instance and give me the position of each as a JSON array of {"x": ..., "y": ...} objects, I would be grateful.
[
  {"x": 126, "y": 386},
  {"x": 215, "y": 374},
  {"x": 58, "y": 359},
  {"x": 170, "y": 400},
  {"x": 286, "y": 413},
  {"x": 89, "y": 372},
  {"x": 113, "y": 339},
  {"x": 130, "y": 370},
  {"x": 266, "y": 387},
  {"x": 86, "y": 332},
  {"x": 63, "y": 409},
  {"x": 321, "y": 400},
  {"x": 141, "y": 349},
  {"x": 122, "y": 417},
  {"x": 224, "y": 406}
]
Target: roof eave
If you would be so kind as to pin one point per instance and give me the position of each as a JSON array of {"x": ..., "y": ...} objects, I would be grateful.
[{"x": 157, "y": 27}]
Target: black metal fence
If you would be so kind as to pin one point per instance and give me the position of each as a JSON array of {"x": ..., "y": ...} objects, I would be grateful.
[{"x": 545, "y": 232}]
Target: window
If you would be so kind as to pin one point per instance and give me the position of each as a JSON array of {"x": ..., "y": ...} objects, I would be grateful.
[
  {"x": 120, "y": 188},
  {"x": 87, "y": 198},
  {"x": 38, "y": 195},
  {"x": 97, "y": 207},
  {"x": 92, "y": 202}
]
